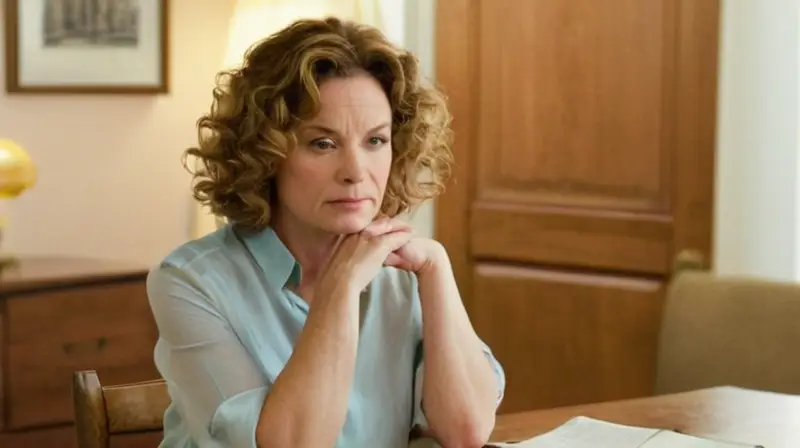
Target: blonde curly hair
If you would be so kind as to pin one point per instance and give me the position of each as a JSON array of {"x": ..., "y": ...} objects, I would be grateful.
[{"x": 258, "y": 106}]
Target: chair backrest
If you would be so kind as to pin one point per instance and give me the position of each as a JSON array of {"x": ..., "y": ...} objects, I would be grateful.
[
  {"x": 725, "y": 330},
  {"x": 101, "y": 411}
]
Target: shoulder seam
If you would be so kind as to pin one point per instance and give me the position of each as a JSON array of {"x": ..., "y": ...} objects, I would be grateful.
[{"x": 181, "y": 264}]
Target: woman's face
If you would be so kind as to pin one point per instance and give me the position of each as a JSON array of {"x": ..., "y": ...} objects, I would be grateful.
[{"x": 335, "y": 179}]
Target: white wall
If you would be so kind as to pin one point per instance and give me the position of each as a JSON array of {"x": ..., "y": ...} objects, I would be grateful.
[
  {"x": 758, "y": 168},
  {"x": 419, "y": 37},
  {"x": 797, "y": 192}
]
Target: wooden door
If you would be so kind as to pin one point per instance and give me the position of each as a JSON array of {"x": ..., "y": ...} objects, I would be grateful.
[{"x": 584, "y": 141}]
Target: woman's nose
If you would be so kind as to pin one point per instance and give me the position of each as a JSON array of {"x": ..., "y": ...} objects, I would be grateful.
[{"x": 352, "y": 166}]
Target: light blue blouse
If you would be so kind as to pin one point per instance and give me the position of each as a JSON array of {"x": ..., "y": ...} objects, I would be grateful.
[{"x": 227, "y": 326}]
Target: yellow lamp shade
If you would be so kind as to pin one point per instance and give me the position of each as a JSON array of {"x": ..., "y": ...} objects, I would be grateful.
[{"x": 17, "y": 170}]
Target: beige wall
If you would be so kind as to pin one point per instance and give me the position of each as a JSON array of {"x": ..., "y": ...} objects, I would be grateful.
[{"x": 111, "y": 184}]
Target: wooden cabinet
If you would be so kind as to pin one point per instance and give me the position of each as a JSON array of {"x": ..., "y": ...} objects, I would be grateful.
[{"x": 59, "y": 315}]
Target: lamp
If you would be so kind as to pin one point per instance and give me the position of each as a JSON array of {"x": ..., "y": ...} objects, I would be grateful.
[{"x": 17, "y": 174}]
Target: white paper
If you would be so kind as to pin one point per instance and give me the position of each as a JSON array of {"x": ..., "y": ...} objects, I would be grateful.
[
  {"x": 584, "y": 432},
  {"x": 667, "y": 439}
]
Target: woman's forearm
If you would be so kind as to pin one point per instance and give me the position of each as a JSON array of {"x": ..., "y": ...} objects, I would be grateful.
[
  {"x": 307, "y": 404},
  {"x": 459, "y": 384}
]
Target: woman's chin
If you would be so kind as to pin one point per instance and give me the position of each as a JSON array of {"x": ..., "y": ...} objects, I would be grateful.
[{"x": 348, "y": 225}]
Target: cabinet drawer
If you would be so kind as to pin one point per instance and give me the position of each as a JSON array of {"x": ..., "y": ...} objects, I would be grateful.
[
  {"x": 58, "y": 436},
  {"x": 64, "y": 437},
  {"x": 108, "y": 328}
]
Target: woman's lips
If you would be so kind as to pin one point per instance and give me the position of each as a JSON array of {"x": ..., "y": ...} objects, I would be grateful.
[{"x": 350, "y": 203}]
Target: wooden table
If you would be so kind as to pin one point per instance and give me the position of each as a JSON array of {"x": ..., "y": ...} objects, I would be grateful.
[{"x": 725, "y": 413}]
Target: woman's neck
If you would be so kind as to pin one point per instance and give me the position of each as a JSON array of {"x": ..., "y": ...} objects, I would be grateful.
[{"x": 310, "y": 247}]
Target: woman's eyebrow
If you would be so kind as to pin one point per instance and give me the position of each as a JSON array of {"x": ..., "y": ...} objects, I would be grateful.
[
  {"x": 319, "y": 128},
  {"x": 330, "y": 131},
  {"x": 379, "y": 127}
]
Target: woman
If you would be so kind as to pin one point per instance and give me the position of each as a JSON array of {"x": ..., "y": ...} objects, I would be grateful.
[{"x": 301, "y": 323}]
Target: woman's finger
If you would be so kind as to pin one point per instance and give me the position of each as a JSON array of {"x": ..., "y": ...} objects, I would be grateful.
[
  {"x": 396, "y": 261},
  {"x": 384, "y": 226},
  {"x": 395, "y": 240},
  {"x": 376, "y": 227}
]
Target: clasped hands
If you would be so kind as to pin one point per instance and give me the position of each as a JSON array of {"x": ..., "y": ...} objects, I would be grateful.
[
  {"x": 416, "y": 255},
  {"x": 358, "y": 257}
]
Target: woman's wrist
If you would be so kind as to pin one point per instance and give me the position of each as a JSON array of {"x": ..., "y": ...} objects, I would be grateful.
[
  {"x": 437, "y": 261},
  {"x": 342, "y": 290}
]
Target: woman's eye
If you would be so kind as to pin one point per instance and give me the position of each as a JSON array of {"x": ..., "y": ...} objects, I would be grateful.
[
  {"x": 377, "y": 141},
  {"x": 323, "y": 143}
]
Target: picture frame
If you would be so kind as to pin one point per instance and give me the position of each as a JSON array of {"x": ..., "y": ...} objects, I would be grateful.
[{"x": 87, "y": 46}]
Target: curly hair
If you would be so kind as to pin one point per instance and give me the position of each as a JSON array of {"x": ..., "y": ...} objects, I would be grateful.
[{"x": 258, "y": 106}]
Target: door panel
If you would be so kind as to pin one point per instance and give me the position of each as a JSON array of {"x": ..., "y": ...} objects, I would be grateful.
[
  {"x": 575, "y": 103},
  {"x": 568, "y": 237},
  {"x": 584, "y": 143},
  {"x": 588, "y": 332}
]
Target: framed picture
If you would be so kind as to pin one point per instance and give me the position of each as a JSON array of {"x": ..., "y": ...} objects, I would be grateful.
[{"x": 87, "y": 46}]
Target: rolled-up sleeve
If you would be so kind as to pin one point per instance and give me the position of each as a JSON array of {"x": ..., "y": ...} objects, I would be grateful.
[
  {"x": 215, "y": 385},
  {"x": 419, "y": 419}
]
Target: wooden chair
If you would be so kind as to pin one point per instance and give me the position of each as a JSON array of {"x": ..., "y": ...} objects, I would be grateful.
[{"x": 102, "y": 411}]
